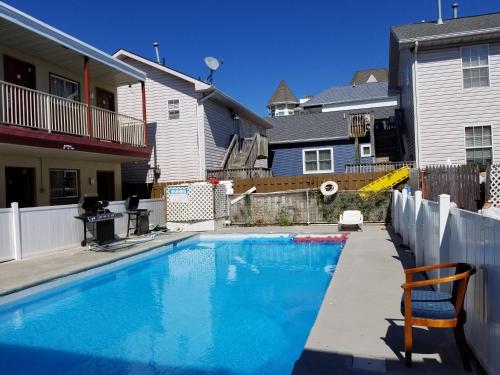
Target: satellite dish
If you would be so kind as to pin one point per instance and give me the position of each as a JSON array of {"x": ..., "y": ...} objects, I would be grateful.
[{"x": 212, "y": 63}]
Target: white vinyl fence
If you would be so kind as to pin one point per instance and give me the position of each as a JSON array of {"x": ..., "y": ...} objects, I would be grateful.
[
  {"x": 26, "y": 232},
  {"x": 438, "y": 234}
]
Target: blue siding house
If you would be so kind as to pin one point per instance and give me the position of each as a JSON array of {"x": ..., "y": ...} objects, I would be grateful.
[{"x": 313, "y": 143}]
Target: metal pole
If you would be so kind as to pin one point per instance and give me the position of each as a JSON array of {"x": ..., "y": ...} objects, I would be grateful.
[{"x": 307, "y": 207}]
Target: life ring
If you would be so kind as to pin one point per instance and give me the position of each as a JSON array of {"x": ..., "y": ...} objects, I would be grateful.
[{"x": 329, "y": 188}]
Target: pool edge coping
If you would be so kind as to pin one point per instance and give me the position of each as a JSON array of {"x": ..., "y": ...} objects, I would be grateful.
[{"x": 7, "y": 294}]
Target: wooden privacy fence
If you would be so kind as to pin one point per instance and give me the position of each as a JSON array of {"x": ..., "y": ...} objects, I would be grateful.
[
  {"x": 461, "y": 182},
  {"x": 346, "y": 181}
]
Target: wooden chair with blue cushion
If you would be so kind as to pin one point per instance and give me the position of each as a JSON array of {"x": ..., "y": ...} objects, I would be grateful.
[{"x": 436, "y": 309}]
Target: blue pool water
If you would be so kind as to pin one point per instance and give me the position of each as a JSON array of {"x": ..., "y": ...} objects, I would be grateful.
[{"x": 204, "y": 307}]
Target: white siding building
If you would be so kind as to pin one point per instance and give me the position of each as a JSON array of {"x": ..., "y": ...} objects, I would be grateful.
[
  {"x": 190, "y": 123},
  {"x": 448, "y": 79}
]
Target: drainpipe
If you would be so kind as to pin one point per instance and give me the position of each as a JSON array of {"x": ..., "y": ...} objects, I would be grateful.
[
  {"x": 415, "y": 106},
  {"x": 200, "y": 134}
]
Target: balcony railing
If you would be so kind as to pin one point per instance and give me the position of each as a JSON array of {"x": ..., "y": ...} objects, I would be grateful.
[
  {"x": 239, "y": 173},
  {"x": 378, "y": 167},
  {"x": 34, "y": 109}
]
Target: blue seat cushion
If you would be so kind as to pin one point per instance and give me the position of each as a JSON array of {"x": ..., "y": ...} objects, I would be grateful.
[{"x": 429, "y": 304}]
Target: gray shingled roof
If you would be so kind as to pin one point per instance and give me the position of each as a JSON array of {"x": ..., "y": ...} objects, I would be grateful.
[
  {"x": 315, "y": 126},
  {"x": 452, "y": 26},
  {"x": 362, "y": 76},
  {"x": 351, "y": 93},
  {"x": 282, "y": 94}
]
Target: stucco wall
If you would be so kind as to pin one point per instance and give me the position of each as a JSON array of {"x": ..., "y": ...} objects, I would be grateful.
[
  {"x": 43, "y": 68},
  {"x": 88, "y": 169}
]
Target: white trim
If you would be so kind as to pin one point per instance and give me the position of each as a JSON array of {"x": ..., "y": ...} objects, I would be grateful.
[
  {"x": 475, "y": 67},
  {"x": 304, "y": 150},
  {"x": 416, "y": 128},
  {"x": 30, "y": 23},
  {"x": 370, "y": 103},
  {"x": 449, "y": 35},
  {"x": 361, "y": 150}
]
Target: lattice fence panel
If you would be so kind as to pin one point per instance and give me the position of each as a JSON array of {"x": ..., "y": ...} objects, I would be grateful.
[{"x": 494, "y": 184}]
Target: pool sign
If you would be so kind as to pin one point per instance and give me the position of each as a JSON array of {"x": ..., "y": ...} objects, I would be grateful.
[{"x": 178, "y": 194}]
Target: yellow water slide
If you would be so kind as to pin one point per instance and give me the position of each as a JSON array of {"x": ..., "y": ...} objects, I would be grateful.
[{"x": 389, "y": 180}]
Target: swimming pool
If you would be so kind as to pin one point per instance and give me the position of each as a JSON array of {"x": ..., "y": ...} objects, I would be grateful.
[{"x": 208, "y": 305}]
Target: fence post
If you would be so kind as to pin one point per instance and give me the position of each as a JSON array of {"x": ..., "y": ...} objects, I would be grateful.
[
  {"x": 308, "y": 211},
  {"x": 419, "y": 259},
  {"x": 404, "y": 217},
  {"x": 395, "y": 210},
  {"x": 444, "y": 212},
  {"x": 16, "y": 231}
]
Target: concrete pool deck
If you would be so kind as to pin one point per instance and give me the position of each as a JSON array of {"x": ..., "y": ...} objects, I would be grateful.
[{"x": 359, "y": 328}]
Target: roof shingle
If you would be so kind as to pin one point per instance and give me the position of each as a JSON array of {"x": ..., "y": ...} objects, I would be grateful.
[
  {"x": 282, "y": 94},
  {"x": 459, "y": 25},
  {"x": 316, "y": 126},
  {"x": 363, "y": 76},
  {"x": 351, "y": 93}
]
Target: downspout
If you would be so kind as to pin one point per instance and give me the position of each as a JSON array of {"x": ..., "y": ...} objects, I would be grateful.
[
  {"x": 201, "y": 133},
  {"x": 415, "y": 106}
]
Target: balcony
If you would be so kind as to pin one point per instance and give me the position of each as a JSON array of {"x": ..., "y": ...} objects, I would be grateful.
[{"x": 24, "y": 107}]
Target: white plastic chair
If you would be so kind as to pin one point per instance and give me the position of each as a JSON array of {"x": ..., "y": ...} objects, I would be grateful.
[{"x": 351, "y": 217}]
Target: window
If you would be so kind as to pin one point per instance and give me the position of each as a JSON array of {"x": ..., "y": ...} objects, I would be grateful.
[
  {"x": 64, "y": 183},
  {"x": 475, "y": 66},
  {"x": 365, "y": 150},
  {"x": 173, "y": 109},
  {"x": 65, "y": 88},
  {"x": 317, "y": 160},
  {"x": 478, "y": 145}
]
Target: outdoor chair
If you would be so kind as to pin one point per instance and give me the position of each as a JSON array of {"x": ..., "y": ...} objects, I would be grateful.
[
  {"x": 429, "y": 308},
  {"x": 351, "y": 217}
]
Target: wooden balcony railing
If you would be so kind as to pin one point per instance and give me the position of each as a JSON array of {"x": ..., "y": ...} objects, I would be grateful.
[
  {"x": 34, "y": 109},
  {"x": 378, "y": 167}
]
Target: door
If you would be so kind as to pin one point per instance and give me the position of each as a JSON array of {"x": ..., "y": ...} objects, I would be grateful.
[
  {"x": 105, "y": 99},
  {"x": 19, "y": 72},
  {"x": 106, "y": 185},
  {"x": 19, "y": 107},
  {"x": 20, "y": 186}
]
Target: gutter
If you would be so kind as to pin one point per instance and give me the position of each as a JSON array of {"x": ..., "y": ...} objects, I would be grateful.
[
  {"x": 415, "y": 106},
  {"x": 309, "y": 140}
]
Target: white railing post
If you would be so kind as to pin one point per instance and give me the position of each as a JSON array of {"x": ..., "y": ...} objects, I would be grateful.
[
  {"x": 16, "y": 231},
  {"x": 404, "y": 217},
  {"x": 48, "y": 114},
  {"x": 395, "y": 210},
  {"x": 419, "y": 256}
]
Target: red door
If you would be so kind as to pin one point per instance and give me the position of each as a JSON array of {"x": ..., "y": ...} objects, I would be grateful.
[
  {"x": 20, "y": 104},
  {"x": 105, "y": 99}
]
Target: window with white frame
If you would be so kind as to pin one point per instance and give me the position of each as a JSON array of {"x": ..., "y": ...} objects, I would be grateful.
[
  {"x": 64, "y": 87},
  {"x": 478, "y": 145},
  {"x": 318, "y": 160},
  {"x": 475, "y": 66},
  {"x": 365, "y": 150},
  {"x": 173, "y": 109}
]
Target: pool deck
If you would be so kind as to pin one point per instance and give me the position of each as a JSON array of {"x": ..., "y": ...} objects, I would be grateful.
[{"x": 359, "y": 329}]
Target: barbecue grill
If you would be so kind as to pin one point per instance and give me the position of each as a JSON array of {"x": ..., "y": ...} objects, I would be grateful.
[
  {"x": 97, "y": 219},
  {"x": 138, "y": 216}
]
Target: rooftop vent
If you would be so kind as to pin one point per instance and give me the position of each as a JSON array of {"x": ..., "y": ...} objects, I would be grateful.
[{"x": 455, "y": 10}]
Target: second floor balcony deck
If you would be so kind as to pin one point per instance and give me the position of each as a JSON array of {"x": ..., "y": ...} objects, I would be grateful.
[{"x": 24, "y": 107}]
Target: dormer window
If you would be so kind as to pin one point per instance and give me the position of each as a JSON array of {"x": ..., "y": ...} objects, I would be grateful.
[{"x": 475, "y": 66}]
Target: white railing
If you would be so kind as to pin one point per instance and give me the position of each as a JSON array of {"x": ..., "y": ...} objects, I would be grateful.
[
  {"x": 443, "y": 234},
  {"x": 40, "y": 230},
  {"x": 34, "y": 109},
  {"x": 377, "y": 167},
  {"x": 112, "y": 126}
]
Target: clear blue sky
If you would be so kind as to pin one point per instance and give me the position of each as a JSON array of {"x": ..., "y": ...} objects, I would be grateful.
[{"x": 311, "y": 44}]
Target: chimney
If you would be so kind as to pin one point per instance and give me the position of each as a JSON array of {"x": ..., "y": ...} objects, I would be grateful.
[
  {"x": 156, "y": 46},
  {"x": 455, "y": 10},
  {"x": 440, "y": 13}
]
